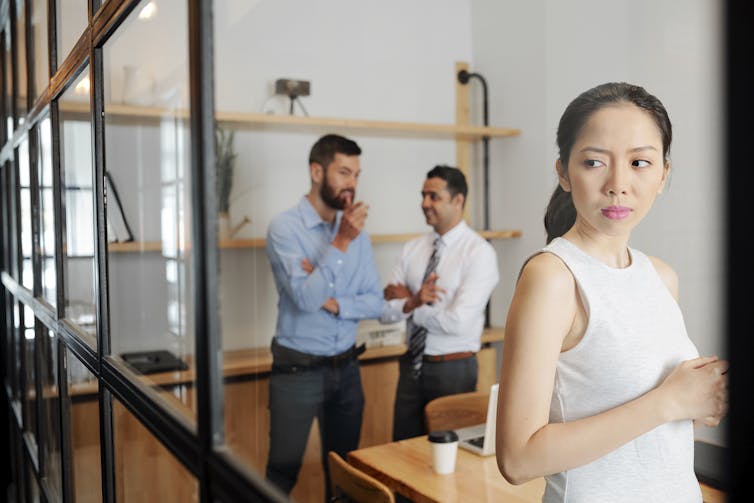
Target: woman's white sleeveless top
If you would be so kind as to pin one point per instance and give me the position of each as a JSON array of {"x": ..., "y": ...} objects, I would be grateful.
[{"x": 634, "y": 338}]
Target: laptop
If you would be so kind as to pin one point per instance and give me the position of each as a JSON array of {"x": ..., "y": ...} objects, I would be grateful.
[{"x": 480, "y": 438}]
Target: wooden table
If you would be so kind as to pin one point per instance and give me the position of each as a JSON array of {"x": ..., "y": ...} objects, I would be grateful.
[{"x": 406, "y": 468}]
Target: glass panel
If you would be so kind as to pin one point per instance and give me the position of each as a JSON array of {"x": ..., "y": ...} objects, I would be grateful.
[
  {"x": 21, "y": 77},
  {"x": 145, "y": 471},
  {"x": 7, "y": 52},
  {"x": 46, "y": 211},
  {"x": 72, "y": 19},
  {"x": 33, "y": 495},
  {"x": 78, "y": 200},
  {"x": 30, "y": 404},
  {"x": 11, "y": 353},
  {"x": 51, "y": 411},
  {"x": 11, "y": 216},
  {"x": 17, "y": 347},
  {"x": 149, "y": 194},
  {"x": 27, "y": 278},
  {"x": 83, "y": 404},
  {"x": 41, "y": 46}
]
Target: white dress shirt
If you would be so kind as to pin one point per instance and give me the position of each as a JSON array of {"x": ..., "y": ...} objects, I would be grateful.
[{"x": 467, "y": 271}]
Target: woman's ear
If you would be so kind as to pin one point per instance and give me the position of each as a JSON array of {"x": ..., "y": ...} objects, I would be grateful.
[
  {"x": 665, "y": 175},
  {"x": 563, "y": 180}
]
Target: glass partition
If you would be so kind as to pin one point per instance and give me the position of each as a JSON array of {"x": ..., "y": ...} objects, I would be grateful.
[
  {"x": 8, "y": 84},
  {"x": 83, "y": 406},
  {"x": 12, "y": 345},
  {"x": 46, "y": 210},
  {"x": 20, "y": 70},
  {"x": 24, "y": 193},
  {"x": 71, "y": 19},
  {"x": 50, "y": 410},
  {"x": 78, "y": 200},
  {"x": 30, "y": 374},
  {"x": 149, "y": 193},
  {"x": 145, "y": 471},
  {"x": 39, "y": 23}
]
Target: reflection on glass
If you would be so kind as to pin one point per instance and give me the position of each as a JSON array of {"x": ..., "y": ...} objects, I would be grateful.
[
  {"x": 41, "y": 49},
  {"x": 7, "y": 51},
  {"x": 30, "y": 394},
  {"x": 24, "y": 179},
  {"x": 46, "y": 211},
  {"x": 147, "y": 157},
  {"x": 83, "y": 405},
  {"x": 78, "y": 198},
  {"x": 71, "y": 20},
  {"x": 14, "y": 352},
  {"x": 31, "y": 483},
  {"x": 51, "y": 412},
  {"x": 20, "y": 68},
  {"x": 145, "y": 471}
]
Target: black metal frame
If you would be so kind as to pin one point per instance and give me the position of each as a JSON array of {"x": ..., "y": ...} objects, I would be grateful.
[{"x": 220, "y": 475}]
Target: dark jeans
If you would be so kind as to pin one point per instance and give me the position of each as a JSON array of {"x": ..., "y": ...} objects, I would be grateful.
[
  {"x": 437, "y": 379},
  {"x": 332, "y": 393}
]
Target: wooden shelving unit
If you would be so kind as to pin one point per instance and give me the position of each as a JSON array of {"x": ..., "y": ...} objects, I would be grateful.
[
  {"x": 462, "y": 132},
  {"x": 140, "y": 114},
  {"x": 156, "y": 246}
]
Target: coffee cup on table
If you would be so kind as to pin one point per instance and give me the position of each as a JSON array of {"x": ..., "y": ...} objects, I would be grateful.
[{"x": 444, "y": 450}]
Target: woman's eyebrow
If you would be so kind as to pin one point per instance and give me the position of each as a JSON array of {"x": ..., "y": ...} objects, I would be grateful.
[{"x": 607, "y": 151}]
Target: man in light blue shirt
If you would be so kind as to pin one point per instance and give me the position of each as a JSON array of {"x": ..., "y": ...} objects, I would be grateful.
[{"x": 327, "y": 281}]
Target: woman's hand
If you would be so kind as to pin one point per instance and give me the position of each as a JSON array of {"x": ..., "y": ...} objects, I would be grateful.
[{"x": 697, "y": 389}]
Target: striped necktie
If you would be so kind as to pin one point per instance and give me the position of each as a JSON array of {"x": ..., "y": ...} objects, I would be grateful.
[{"x": 418, "y": 333}]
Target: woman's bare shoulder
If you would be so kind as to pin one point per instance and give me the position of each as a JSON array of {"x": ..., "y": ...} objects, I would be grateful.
[{"x": 667, "y": 274}]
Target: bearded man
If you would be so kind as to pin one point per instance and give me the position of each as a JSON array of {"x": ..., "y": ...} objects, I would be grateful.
[{"x": 327, "y": 281}]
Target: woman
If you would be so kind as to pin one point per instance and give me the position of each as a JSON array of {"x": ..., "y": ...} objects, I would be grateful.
[{"x": 600, "y": 382}]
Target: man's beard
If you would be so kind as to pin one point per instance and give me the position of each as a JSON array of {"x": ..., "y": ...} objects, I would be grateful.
[{"x": 333, "y": 200}]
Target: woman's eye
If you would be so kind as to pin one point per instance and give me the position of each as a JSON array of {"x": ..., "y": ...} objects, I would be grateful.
[
  {"x": 592, "y": 163},
  {"x": 640, "y": 163}
]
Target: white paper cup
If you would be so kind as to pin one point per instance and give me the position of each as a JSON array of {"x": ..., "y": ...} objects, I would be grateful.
[{"x": 444, "y": 450}]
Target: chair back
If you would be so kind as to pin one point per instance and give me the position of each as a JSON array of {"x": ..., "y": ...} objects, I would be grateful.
[
  {"x": 348, "y": 483},
  {"x": 456, "y": 411}
]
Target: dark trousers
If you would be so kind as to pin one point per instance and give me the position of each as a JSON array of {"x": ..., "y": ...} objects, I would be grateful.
[
  {"x": 331, "y": 393},
  {"x": 437, "y": 379}
]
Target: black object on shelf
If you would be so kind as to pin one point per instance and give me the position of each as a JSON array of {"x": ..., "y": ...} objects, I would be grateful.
[
  {"x": 118, "y": 229},
  {"x": 151, "y": 362}
]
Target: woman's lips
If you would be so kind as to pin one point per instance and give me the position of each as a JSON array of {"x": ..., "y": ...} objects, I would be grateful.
[{"x": 616, "y": 212}]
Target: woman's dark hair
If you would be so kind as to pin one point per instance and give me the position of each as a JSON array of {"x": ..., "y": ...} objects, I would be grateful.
[{"x": 561, "y": 214}]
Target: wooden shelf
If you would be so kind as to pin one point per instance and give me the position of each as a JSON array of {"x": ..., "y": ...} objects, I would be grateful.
[
  {"x": 416, "y": 129},
  {"x": 139, "y": 114},
  {"x": 156, "y": 246}
]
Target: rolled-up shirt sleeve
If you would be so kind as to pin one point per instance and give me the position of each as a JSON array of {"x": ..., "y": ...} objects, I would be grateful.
[
  {"x": 308, "y": 291},
  {"x": 367, "y": 302},
  {"x": 393, "y": 309}
]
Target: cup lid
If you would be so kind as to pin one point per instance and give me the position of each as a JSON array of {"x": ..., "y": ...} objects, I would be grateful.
[{"x": 443, "y": 436}]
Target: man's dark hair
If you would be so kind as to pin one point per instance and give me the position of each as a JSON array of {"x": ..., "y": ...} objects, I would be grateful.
[
  {"x": 454, "y": 177},
  {"x": 324, "y": 150}
]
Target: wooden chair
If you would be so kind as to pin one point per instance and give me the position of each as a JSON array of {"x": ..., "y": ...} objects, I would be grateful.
[
  {"x": 456, "y": 411},
  {"x": 351, "y": 484}
]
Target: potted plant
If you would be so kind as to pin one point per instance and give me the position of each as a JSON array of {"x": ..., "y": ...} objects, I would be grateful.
[{"x": 225, "y": 157}]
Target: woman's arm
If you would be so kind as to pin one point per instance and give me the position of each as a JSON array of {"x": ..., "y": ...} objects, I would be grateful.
[{"x": 542, "y": 312}]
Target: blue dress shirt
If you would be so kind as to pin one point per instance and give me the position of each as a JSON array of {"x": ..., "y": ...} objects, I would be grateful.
[{"x": 351, "y": 278}]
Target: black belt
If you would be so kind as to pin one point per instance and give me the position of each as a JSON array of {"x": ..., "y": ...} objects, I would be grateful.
[{"x": 287, "y": 359}]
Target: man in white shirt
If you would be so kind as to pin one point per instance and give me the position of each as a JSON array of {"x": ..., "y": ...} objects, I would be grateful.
[{"x": 440, "y": 286}]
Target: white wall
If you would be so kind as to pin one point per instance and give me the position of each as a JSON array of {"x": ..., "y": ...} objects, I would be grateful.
[
  {"x": 538, "y": 55},
  {"x": 390, "y": 60},
  {"x": 394, "y": 60}
]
